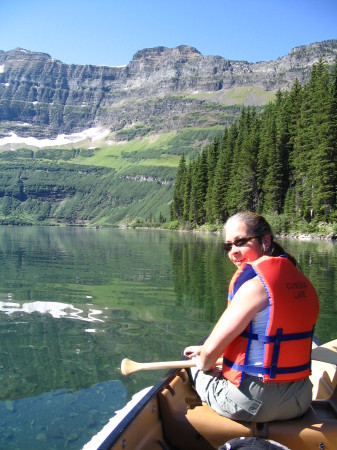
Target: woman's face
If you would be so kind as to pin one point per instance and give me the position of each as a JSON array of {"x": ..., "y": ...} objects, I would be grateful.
[{"x": 249, "y": 252}]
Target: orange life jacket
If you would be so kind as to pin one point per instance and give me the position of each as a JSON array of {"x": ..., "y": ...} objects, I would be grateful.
[{"x": 293, "y": 314}]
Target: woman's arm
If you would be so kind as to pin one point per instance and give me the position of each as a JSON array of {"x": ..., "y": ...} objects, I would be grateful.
[{"x": 248, "y": 301}]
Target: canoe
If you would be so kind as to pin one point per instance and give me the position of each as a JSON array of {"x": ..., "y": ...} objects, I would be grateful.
[{"x": 172, "y": 417}]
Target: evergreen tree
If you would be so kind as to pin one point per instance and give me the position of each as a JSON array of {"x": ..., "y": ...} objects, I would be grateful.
[
  {"x": 187, "y": 193},
  {"x": 197, "y": 212},
  {"x": 222, "y": 175},
  {"x": 292, "y": 106},
  {"x": 303, "y": 146},
  {"x": 273, "y": 153},
  {"x": 333, "y": 130},
  {"x": 242, "y": 188},
  {"x": 177, "y": 205},
  {"x": 212, "y": 159}
]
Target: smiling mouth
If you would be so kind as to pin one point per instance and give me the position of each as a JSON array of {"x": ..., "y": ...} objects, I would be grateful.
[{"x": 238, "y": 261}]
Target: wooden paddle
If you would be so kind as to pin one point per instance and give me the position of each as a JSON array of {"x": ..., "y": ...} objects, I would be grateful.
[
  {"x": 128, "y": 366},
  {"x": 326, "y": 354}
]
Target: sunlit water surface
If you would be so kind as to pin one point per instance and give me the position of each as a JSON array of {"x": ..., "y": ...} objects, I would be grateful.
[{"x": 74, "y": 302}]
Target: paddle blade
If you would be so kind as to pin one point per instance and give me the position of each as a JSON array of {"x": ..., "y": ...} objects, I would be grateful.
[{"x": 128, "y": 366}]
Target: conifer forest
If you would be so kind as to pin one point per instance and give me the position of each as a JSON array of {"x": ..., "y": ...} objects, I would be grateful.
[{"x": 280, "y": 162}]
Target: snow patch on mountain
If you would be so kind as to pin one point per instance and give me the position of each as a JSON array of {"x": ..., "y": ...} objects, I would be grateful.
[{"x": 94, "y": 134}]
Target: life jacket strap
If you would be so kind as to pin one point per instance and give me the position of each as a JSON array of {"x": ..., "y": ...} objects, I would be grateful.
[
  {"x": 258, "y": 370},
  {"x": 281, "y": 337}
]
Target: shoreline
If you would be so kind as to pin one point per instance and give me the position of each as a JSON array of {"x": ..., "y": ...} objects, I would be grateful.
[
  {"x": 299, "y": 235},
  {"x": 309, "y": 236},
  {"x": 295, "y": 235}
]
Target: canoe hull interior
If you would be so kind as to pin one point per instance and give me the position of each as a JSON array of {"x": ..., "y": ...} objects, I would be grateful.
[
  {"x": 196, "y": 426},
  {"x": 175, "y": 418},
  {"x": 172, "y": 417}
]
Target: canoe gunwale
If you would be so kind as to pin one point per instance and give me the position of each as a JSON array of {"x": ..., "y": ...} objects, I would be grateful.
[{"x": 116, "y": 433}]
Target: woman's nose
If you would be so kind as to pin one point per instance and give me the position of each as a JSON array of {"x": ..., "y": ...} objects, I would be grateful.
[{"x": 234, "y": 250}]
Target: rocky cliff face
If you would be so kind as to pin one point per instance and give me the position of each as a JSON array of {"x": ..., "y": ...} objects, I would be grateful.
[{"x": 161, "y": 88}]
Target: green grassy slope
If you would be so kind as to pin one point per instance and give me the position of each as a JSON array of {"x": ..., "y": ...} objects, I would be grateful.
[{"x": 114, "y": 182}]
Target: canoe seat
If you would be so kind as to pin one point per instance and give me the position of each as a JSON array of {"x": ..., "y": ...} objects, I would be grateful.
[
  {"x": 190, "y": 424},
  {"x": 324, "y": 379}
]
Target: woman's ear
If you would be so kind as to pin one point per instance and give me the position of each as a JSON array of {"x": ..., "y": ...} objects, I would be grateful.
[{"x": 266, "y": 243}]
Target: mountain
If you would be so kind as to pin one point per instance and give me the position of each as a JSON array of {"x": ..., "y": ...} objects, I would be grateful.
[
  {"x": 162, "y": 89},
  {"x": 101, "y": 145}
]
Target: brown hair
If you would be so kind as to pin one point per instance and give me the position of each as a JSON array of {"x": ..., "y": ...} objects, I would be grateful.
[{"x": 258, "y": 226}]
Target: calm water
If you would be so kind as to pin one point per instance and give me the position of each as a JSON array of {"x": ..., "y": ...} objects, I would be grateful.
[{"x": 74, "y": 302}]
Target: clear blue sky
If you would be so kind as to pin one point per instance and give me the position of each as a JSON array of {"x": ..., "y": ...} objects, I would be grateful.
[{"x": 110, "y": 32}]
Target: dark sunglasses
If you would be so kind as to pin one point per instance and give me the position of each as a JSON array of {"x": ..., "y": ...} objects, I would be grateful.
[{"x": 238, "y": 242}]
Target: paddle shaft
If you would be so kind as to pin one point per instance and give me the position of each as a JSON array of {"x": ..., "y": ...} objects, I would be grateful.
[
  {"x": 128, "y": 366},
  {"x": 328, "y": 355}
]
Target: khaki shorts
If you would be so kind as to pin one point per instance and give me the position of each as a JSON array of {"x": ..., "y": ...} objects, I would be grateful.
[{"x": 253, "y": 401}]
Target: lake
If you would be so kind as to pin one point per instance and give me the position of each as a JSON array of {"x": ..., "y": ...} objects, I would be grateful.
[{"x": 74, "y": 302}]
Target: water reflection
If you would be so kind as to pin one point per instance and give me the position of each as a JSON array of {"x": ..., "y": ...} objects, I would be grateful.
[
  {"x": 75, "y": 302},
  {"x": 201, "y": 274},
  {"x": 55, "y": 309}
]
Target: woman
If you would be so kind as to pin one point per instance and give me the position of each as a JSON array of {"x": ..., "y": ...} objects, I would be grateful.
[{"x": 264, "y": 335}]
